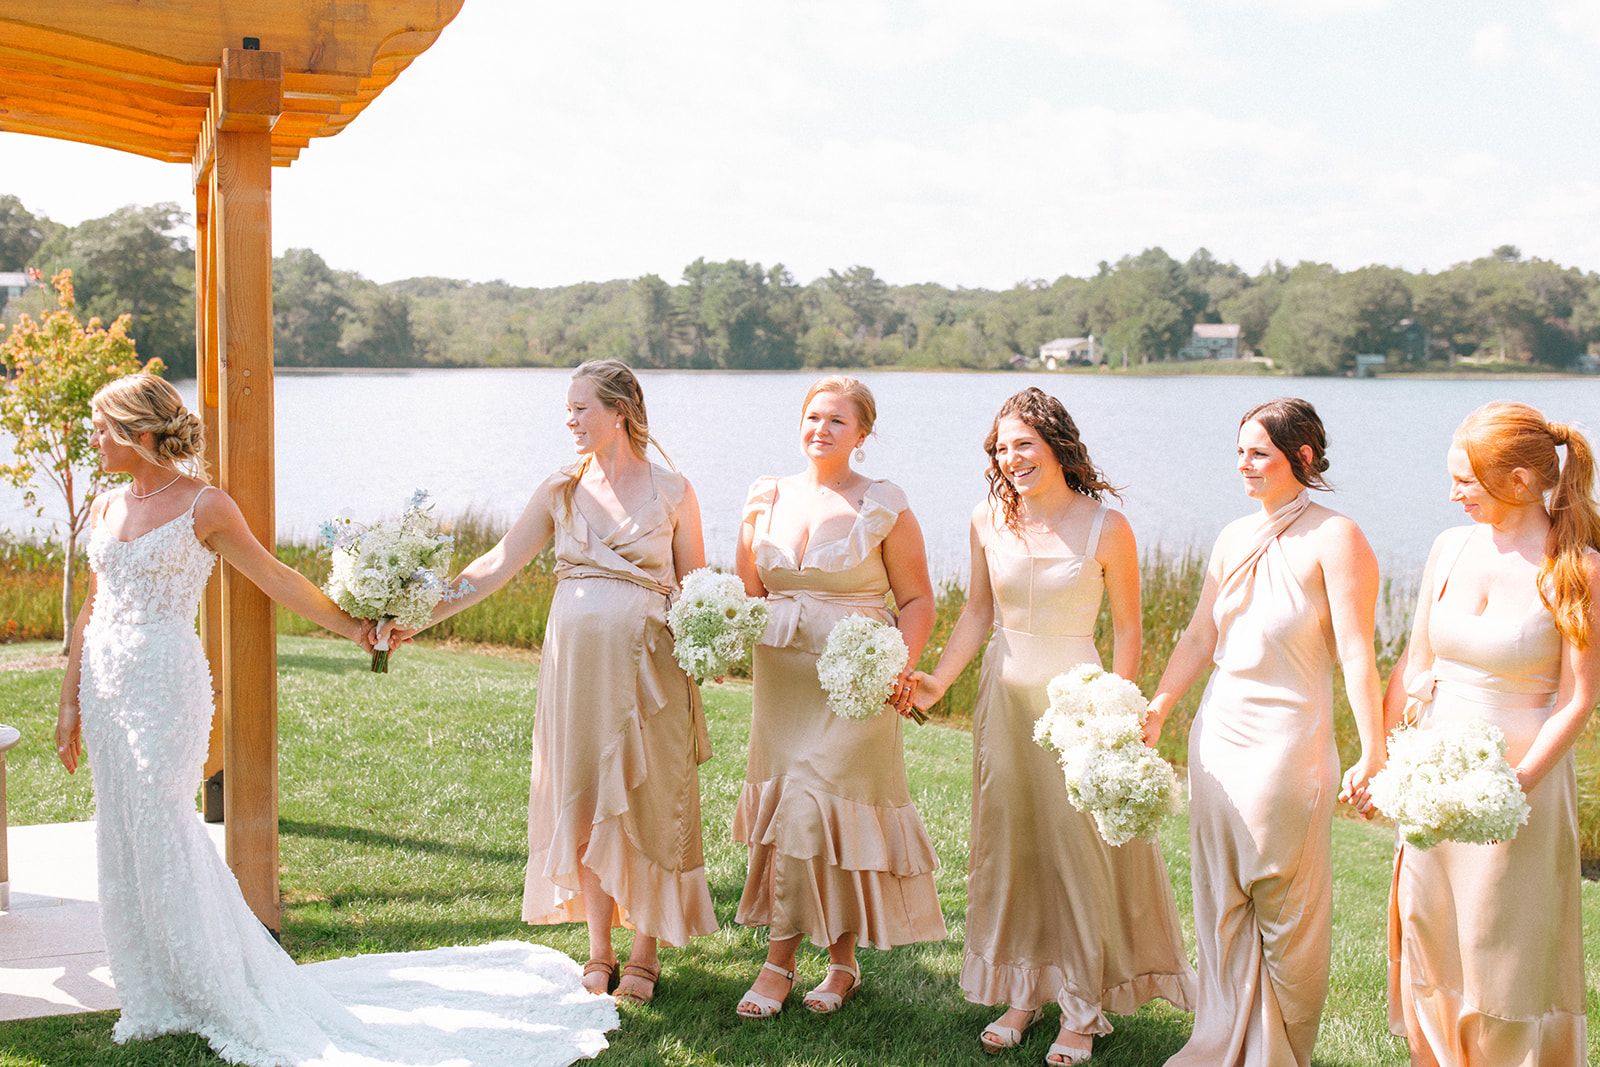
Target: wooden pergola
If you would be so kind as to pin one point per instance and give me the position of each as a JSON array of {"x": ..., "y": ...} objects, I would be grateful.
[{"x": 232, "y": 89}]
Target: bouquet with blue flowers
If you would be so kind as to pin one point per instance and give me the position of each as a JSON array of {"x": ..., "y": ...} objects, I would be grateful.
[{"x": 395, "y": 571}]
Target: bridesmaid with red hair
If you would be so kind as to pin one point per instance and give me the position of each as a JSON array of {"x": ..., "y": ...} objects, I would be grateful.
[{"x": 1485, "y": 941}]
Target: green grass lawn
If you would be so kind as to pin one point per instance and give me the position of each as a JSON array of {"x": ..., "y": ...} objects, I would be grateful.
[{"x": 403, "y": 817}]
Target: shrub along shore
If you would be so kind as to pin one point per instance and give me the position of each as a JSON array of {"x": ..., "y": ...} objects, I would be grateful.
[{"x": 515, "y": 617}]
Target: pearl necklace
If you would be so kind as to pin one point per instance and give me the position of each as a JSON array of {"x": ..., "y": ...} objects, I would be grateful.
[{"x": 146, "y": 496}]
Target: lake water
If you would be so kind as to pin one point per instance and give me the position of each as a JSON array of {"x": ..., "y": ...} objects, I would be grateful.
[{"x": 357, "y": 444}]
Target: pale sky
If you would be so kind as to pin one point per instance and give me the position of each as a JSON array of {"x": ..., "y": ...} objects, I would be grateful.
[{"x": 954, "y": 141}]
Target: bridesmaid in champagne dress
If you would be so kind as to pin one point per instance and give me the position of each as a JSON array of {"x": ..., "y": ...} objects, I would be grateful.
[
  {"x": 1053, "y": 912},
  {"x": 838, "y": 852},
  {"x": 1485, "y": 941},
  {"x": 619, "y": 734},
  {"x": 1288, "y": 593}
]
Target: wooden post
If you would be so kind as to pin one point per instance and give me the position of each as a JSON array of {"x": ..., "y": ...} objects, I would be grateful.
[
  {"x": 207, "y": 371},
  {"x": 247, "y": 101}
]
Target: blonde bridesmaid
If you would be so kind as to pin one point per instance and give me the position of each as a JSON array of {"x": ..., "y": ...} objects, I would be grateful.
[
  {"x": 1289, "y": 593},
  {"x": 619, "y": 734},
  {"x": 838, "y": 852},
  {"x": 1485, "y": 941},
  {"x": 1053, "y": 912}
]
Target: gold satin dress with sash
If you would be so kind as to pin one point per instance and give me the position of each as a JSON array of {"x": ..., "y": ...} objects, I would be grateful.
[
  {"x": 1053, "y": 912},
  {"x": 836, "y": 845},
  {"x": 618, "y": 733},
  {"x": 1486, "y": 941},
  {"x": 1263, "y": 779}
]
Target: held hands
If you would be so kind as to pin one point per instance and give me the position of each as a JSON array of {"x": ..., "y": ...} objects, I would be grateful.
[
  {"x": 69, "y": 737},
  {"x": 926, "y": 690},
  {"x": 1154, "y": 720},
  {"x": 900, "y": 697},
  {"x": 1357, "y": 779}
]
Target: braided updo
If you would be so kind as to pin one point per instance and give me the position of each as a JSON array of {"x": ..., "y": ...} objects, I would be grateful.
[{"x": 145, "y": 404}]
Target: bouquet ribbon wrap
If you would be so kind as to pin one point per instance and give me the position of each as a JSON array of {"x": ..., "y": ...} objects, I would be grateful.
[
  {"x": 792, "y": 622},
  {"x": 1419, "y": 698}
]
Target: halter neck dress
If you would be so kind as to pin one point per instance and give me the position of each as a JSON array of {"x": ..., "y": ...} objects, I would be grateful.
[
  {"x": 619, "y": 732},
  {"x": 1486, "y": 941},
  {"x": 836, "y": 845},
  {"x": 1053, "y": 912},
  {"x": 1263, "y": 778}
]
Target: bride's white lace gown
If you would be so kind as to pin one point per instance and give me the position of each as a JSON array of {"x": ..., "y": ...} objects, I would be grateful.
[{"x": 186, "y": 952}]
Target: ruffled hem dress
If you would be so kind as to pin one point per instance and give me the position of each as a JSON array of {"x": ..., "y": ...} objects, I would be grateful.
[
  {"x": 835, "y": 844},
  {"x": 1053, "y": 912},
  {"x": 619, "y": 732},
  {"x": 1486, "y": 941}
]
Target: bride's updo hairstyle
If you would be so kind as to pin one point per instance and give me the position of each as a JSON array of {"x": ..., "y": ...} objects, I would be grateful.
[
  {"x": 1048, "y": 418},
  {"x": 1292, "y": 423},
  {"x": 145, "y": 404},
  {"x": 852, "y": 389},
  {"x": 619, "y": 391},
  {"x": 1501, "y": 437}
]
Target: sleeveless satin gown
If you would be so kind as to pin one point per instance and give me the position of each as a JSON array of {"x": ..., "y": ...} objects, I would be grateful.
[
  {"x": 1263, "y": 778},
  {"x": 1486, "y": 941},
  {"x": 1053, "y": 912}
]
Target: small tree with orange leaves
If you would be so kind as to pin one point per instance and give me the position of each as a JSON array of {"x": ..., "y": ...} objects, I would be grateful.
[{"x": 51, "y": 370}]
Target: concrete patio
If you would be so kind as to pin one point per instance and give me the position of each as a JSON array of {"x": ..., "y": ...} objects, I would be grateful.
[{"x": 52, "y": 958}]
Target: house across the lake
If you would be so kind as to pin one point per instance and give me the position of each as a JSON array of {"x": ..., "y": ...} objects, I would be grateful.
[
  {"x": 1067, "y": 350},
  {"x": 14, "y": 282},
  {"x": 1212, "y": 340}
]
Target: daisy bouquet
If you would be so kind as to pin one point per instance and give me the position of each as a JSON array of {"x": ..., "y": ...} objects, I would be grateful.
[
  {"x": 1095, "y": 725},
  {"x": 713, "y": 622},
  {"x": 395, "y": 571},
  {"x": 1450, "y": 783},
  {"x": 859, "y": 666}
]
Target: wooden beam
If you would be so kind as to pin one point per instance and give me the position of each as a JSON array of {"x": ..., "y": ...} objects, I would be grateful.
[
  {"x": 206, "y": 373},
  {"x": 241, "y": 183},
  {"x": 312, "y": 35}
]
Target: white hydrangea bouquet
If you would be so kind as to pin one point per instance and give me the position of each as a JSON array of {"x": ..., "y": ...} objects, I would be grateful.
[
  {"x": 395, "y": 571},
  {"x": 1095, "y": 724},
  {"x": 713, "y": 622},
  {"x": 1450, "y": 783},
  {"x": 859, "y": 666}
]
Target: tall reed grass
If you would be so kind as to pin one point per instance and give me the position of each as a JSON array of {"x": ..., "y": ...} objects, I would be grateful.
[{"x": 516, "y": 616}]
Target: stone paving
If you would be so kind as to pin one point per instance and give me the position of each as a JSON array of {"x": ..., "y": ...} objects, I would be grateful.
[{"x": 52, "y": 958}]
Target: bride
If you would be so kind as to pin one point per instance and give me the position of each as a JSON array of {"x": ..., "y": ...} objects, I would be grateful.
[{"x": 186, "y": 952}]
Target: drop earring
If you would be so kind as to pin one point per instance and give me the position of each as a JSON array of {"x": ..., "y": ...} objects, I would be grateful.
[{"x": 861, "y": 454}]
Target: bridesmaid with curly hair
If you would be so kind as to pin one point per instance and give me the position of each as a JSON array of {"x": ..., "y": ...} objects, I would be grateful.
[{"x": 1053, "y": 912}]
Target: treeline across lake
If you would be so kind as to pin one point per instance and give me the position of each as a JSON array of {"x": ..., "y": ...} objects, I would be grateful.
[{"x": 1309, "y": 318}]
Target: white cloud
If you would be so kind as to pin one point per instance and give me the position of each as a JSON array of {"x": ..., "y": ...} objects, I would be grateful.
[
  {"x": 1311, "y": 8},
  {"x": 1491, "y": 46},
  {"x": 1579, "y": 17}
]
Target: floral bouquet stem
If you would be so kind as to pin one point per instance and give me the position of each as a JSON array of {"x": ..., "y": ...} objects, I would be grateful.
[{"x": 380, "y": 648}]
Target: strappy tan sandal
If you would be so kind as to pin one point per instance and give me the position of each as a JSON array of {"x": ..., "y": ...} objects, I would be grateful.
[
  {"x": 764, "y": 1007},
  {"x": 825, "y": 1002},
  {"x": 648, "y": 974},
  {"x": 1059, "y": 1055},
  {"x": 609, "y": 969},
  {"x": 995, "y": 1038}
]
